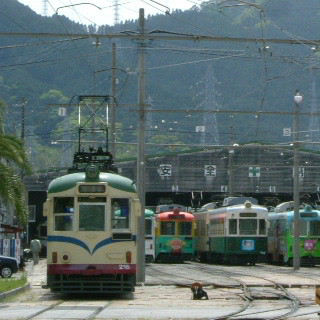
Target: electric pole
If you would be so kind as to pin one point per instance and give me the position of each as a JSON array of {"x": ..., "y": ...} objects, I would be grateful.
[
  {"x": 113, "y": 104},
  {"x": 141, "y": 153},
  {"x": 296, "y": 191},
  {"x": 23, "y": 111}
]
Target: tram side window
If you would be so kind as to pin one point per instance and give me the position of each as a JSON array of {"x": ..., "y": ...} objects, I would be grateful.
[
  {"x": 120, "y": 213},
  {"x": 168, "y": 228},
  {"x": 63, "y": 209},
  {"x": 314, "y": 228},
  {"x": 216, "y": 227},
  {"x": 248, "y": 226},
  {"x": 262, "y": 227},
  {"x": 184, "y": 228},
  {"x": 232, "y": 226},
  {"x": 201, "y": 227},
  {"x": 148, "y": 227},
  {"x": 63, "y": 205}
]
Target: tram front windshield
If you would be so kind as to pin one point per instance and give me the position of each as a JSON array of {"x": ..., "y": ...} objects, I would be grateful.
[
  {"x": 308, "y": 228},
  {"x": 184, "y": 228},
  {"x": 248, "y": 226},
  {"x": 314, "y": 228},
  {"x": 168, "y": 228}
]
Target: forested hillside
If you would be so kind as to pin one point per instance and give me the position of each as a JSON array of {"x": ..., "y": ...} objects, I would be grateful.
[{"x": 185, "y": 75}]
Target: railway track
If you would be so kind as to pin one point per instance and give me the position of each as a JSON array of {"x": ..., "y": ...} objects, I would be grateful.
[
  {"x": 245, "y": 296},
  {"x": 312, "y": 273},
  {"x": 250, "y": 296},
  {"x": 58, "y": 305},
  {"x": 280, "y": 291}
]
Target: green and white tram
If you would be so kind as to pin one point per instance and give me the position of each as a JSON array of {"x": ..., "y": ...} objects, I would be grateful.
[
  {"x": 235, "y": 234},
  {"x": 281, "y": 231}
]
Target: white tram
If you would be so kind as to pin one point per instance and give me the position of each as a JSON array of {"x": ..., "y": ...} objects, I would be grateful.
[
  {"x": 91, "y": 248},
  {"x": 149, "y": 235}
]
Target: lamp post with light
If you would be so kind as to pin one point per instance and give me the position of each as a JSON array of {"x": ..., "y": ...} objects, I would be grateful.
[{"x": 296, "y": 200}]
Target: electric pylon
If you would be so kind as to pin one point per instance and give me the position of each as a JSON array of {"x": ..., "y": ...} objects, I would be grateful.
[
  {"x": 116, "y": 12},
  {"x": 44, "y": 7},
  {"x": 314, "y": 124},
  {"x": 210, "y": 134}
]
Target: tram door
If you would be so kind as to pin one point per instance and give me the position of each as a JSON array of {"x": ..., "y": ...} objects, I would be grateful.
[{"x": 276, "y": 242}]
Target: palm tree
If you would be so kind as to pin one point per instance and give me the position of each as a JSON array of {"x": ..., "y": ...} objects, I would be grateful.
[{"x": 12, "y": 158}]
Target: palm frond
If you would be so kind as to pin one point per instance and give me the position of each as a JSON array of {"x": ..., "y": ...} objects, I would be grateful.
[
  {"x": 12, "y": 150},
  {"x": 12, "y": 191}
]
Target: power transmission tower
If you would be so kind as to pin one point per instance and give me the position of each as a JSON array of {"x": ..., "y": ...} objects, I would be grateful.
[
  {"x": 44, "y": 7},
  {"x": 116, "y": 12},
  {"x": 210, "y": 134}
]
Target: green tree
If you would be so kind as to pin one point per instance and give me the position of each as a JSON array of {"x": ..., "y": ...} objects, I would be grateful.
[
  {"x": 12, "y": 158},
  {"x": 166, "y": 139}
]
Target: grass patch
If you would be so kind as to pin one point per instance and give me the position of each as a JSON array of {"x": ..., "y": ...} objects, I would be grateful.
[{"x": 12, "y": 283}]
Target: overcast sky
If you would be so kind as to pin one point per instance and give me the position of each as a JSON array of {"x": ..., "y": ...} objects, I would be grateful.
[{"x": 89, "y": 14}]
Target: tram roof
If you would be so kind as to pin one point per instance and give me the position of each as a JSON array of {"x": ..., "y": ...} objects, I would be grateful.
[
  {"x": 305, "y": 213},
  {"x": 147, "y": 213},
  {"x": 170, "y": 215},
  {"x": 69, "y": 181}
]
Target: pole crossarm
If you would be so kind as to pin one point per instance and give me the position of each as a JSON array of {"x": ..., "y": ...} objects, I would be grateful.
[
  {"x": 155, "y": 35},
  {"x": 283, "y": 113}
]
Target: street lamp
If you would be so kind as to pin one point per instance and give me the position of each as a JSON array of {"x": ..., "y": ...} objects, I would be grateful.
[{"x": 296, "y": 200}]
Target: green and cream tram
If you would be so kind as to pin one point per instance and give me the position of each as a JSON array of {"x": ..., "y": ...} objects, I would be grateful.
[{"x": 235, "y": 234}]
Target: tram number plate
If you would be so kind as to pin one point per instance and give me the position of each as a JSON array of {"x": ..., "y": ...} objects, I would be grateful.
[{"x": 124, "y": 266}]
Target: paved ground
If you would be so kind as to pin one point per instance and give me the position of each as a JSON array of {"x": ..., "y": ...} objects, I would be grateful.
[{"x": 167, "y": 295}]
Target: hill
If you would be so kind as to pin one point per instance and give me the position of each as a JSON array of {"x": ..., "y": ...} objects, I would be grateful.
[{"x": 180, "y": 74}]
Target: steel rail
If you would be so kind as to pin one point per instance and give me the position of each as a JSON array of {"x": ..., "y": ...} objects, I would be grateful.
[
  {"x": 295, "y": 302},
  {"x": 99, "y": 310},
  {"x": 45, "y": 309},
  {"x": 246, "y": 296}
]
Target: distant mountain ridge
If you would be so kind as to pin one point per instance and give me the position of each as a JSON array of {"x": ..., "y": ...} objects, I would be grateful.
[{"x": 248, "y": 76}]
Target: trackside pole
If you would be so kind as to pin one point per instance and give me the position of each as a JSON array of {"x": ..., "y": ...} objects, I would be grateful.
[{"x": 141, "y": 154}]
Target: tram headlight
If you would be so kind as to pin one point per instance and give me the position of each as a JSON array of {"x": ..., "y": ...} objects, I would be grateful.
[
  {"x": 248, "y": 204},
  {"x": 65, "y": 257}
]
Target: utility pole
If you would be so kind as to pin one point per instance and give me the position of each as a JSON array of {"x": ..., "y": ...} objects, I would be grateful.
[
  {"x": 296, "y": 200},
  {"x": 113, "y": 104},
  {"x": 231, "y": 161},
  {"x": 231, "y": 172},
  {"x": 23, "y": 111},
  {"x": 141, "y": 153}
]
